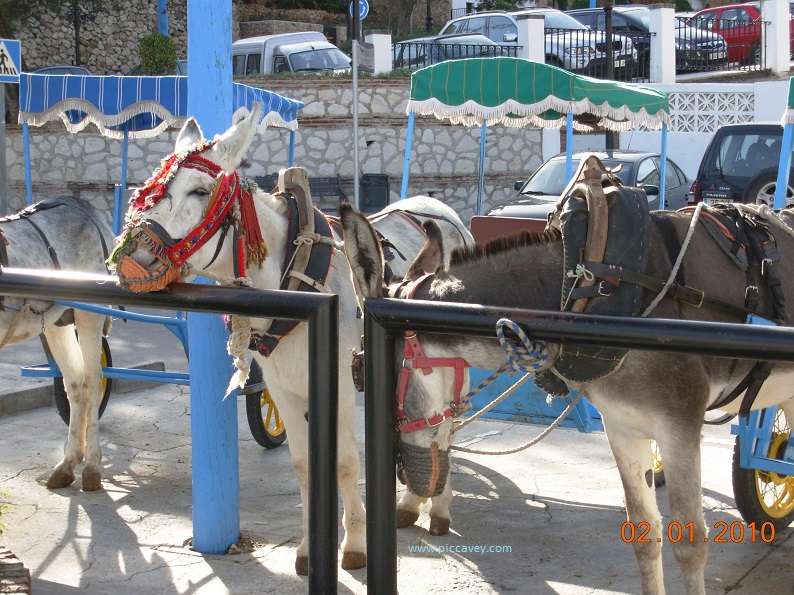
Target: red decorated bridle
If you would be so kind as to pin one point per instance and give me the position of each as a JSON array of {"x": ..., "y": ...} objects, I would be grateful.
[
  {"x": 227, "y": 191},
  {"x": 415, "y": 359}
]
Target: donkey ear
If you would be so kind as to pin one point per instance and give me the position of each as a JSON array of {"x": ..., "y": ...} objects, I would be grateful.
[
  {"x": 189, "y": 136},
  {"x": 233, "y": 144},
  {"x": 431, "y": 256},
  {"x": 363, "y": 251}
]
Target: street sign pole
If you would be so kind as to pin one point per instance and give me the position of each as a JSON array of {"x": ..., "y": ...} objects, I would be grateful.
[
  {"x": 10, "y": 66},
  {"x": 356, "y": 6}
]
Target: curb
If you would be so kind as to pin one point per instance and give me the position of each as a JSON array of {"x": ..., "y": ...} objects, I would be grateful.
[{"x": 41, "y": 394}]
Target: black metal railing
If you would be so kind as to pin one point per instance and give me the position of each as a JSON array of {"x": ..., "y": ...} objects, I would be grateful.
[
  {"x": 384, "y": 318},
  {"x": 720, "y": 44},
  {"x": 414, "y": 55},
  {"x": 585, "y": 52}
]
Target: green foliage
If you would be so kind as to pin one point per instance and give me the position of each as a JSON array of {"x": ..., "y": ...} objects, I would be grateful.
[
  {"x": 580, "y": 4},
  {"x": 683, "y": 6},
  {"x": 158, "y": 54},
  {"x": 497, "y": 4},
  {"x": 332, "y": 6},
  {"x": 3, "y": 506}
]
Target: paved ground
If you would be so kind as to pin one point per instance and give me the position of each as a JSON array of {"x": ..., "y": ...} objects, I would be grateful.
[{"x": 555, "y": 511}]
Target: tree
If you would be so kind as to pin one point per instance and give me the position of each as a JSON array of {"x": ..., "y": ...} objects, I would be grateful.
[
  {"x": 404, "y": 10},
  {"x": 78, "y": 12}
]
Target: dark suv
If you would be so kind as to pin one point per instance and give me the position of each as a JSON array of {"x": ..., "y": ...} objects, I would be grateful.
[{"x": 740, "y": 165}]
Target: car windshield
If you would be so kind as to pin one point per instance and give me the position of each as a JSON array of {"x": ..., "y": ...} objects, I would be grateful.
[
  {"x": 311, "y": 60},
  {"x": 560, "y": 20},
  {"x": 550, "y": 178},
  {"x": 638, "y": 17}
]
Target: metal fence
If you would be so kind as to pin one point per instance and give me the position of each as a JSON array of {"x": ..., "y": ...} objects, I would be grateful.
[
  {"x": 412, "y": 55},
  {"x": 384, "y": 318},
  {"x": 720, "y": 44},
  {"x": 585, "y": 52}
]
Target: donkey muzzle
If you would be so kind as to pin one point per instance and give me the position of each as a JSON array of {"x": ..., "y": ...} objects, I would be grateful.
[
  {"x": 134, "y": 277},
  {"x": 423, "y": 470}
]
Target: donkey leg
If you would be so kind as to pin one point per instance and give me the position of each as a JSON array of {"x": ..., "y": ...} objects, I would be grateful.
[
  {"x": 66, "y": 351},
  {"x": 408, "y": 509},
  {"x": 680, "y": 449},
  {"x": 354, "y": 544},
  {"x": 89, "y": 332},
  {"x": 440, "y": 517},
  {"x": 633, "y": 456},
  {"x": 292, "y": 408}
]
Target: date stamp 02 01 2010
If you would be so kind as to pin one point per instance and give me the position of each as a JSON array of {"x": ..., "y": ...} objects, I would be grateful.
[{"x": 726, "y": 533}]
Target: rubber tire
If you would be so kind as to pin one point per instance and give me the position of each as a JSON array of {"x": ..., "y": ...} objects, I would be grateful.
[
  {"x": 763, "y": 184},
  {"x": 747, "y": 499},
  {"x": 59, "y": 390},
  {"x": 253, "y": 409},
  {"x": 755, "y": 54}
]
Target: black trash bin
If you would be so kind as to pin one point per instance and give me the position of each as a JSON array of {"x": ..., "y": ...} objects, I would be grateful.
[{"x": 373, "y": 192}]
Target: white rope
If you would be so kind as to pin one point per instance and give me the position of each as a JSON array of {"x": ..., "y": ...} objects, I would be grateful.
[
  {"x": 237, "y": 347},
  {"x": 677, "y": 265},
  {"x": 532, "y": 442},
  {"x": 20, "y": 313}
]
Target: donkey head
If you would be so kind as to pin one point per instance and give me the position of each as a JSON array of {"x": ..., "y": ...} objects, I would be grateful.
[
  {"x": 425, "y": 394},
  {"x": 182, "y": 207}
]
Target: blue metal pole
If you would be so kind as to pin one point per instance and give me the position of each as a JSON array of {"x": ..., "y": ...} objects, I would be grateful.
[
  {"x": 407, "y": 160},
  {"x": 162, "y": 17},
  {"x": 117, "y": 206},
  {"x": 481, "y": 181},
  {"x": 784, "y": 167},
  {"x": 663, "y": 168},
  {"x": 568, "y": 147},
  {"x": 26, "y": 150},
  {"x": 291, "y": 158},
  {"x": 213, "y": 420}
]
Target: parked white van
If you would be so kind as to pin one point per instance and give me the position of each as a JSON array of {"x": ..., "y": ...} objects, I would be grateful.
[{"x": 307, "y": 51}]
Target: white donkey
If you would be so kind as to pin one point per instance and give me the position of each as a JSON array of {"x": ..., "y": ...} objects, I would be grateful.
[
  {"x": 69, "y": 234},
  {"x": 177, "y": 227}
]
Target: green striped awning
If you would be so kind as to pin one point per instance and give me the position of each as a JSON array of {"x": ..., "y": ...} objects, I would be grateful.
[{"x": 517, "y": 93}]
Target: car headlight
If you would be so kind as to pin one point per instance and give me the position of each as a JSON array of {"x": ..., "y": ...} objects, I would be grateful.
[{"x": 684, "y": 44}]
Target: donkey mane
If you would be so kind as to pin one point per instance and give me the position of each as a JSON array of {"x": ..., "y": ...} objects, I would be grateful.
[{"x": 464, "y": 254}]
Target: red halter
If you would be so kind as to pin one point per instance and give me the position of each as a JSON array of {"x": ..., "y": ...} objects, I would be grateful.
[{"x": 414, "y": 359}]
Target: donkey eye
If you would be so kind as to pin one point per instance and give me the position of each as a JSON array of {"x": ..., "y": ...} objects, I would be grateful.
[{"x": 200, "y": 192}]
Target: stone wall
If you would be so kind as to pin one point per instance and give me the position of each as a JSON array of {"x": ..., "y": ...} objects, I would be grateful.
[
  {"x": 444, "y": 158},
  {"x": 109, "y": 44}
]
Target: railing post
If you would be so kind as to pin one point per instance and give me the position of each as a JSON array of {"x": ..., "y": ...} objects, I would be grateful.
[{"x": 379, "y": 387}]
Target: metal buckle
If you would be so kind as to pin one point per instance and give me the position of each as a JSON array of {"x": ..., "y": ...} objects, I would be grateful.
[
  {"x": 700, "y": 296},
  {"x": 442, "y": 419},
  {"x": 602, "y": 289},
  {"x": 408, "y": 364}
]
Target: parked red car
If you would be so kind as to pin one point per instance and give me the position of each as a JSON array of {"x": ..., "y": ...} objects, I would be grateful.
[{"x": 740, "y": 26}]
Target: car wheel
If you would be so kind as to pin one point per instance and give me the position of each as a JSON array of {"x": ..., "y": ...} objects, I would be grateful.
[
  {"x": 761, "y": 188},
  {"x": 755, "y": 54}
]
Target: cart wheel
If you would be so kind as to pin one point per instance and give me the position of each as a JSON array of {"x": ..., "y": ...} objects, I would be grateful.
[
  {"x": 266, "y": 425},
  {"x": 658, "y": 468},
  {"x": 763, "y": 497},
  {"x": 59, "y": 390}
]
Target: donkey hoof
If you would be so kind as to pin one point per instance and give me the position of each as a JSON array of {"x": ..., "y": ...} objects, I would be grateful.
[
  {"x": 92, "y": 481},
  {"x": 406, "y": 518},
  {"x": 353, "y": 560},
  {"x": 439, "y": 526},
  {"x": 60, "y": 479},
  {"x": 302, "y": 565}
]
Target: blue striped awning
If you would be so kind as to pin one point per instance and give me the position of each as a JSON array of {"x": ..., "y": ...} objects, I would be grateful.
[{"x": 145, "y": 105}]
